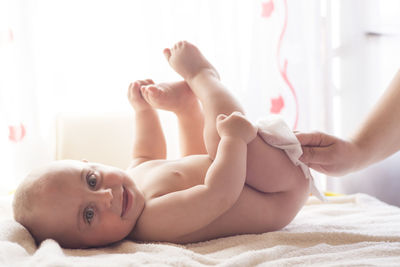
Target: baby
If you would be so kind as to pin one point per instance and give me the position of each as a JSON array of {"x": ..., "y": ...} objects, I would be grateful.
[{"x": 229, "y": 181}]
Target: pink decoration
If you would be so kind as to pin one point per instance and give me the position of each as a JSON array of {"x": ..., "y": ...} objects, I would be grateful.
[
  {"x": 267, "y": 9},
  {"x": 10, "y": 35},
  {"x": 16, "y": 133},
  {"x": 283, "y": 69},
  {"x": 277, "y": 105}
]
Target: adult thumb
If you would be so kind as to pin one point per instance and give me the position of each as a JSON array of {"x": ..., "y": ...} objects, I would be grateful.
[{"x": 314, "y": 155}]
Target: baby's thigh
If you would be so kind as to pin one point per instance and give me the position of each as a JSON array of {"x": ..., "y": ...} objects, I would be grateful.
[
  {"x": 255, "y": 212},
  {"x": 268, "y": 211},
  {"x": 270, "y": 170}
]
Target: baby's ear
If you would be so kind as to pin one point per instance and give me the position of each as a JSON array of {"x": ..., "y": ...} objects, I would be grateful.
[{"x": 85, "y": 160}]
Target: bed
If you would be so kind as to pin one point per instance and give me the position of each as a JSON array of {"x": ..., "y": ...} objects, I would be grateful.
[
  {"x": 348, "y": 230},
  {"x": 353, "y": 230}
]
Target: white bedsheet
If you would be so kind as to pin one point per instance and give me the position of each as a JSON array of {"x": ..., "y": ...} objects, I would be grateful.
[{"x": 355, "y": 230}]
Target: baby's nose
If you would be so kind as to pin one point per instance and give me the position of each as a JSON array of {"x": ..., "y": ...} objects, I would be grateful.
[{"x": 106, "y": 196}]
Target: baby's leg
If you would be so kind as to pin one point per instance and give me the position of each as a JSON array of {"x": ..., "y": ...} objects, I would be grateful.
[
  {"x": 179, "y": 99},
  {"x": 269, "y": 170},
  {"x": 204, "y": 81}
]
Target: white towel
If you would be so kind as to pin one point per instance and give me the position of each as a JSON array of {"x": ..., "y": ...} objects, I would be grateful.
[
  {"x": 354, "y": 230},
  {"x": 275, "y": 132}
]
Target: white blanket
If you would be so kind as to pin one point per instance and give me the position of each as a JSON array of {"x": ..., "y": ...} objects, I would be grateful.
[{"x": 349, "y": 230}]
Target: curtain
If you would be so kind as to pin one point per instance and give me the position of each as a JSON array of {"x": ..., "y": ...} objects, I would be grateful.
[
  {"x": 79, "y": 56},
  {"x": 12, "y": 109}
]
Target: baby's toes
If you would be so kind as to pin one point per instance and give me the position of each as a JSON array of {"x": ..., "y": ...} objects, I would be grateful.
[
  {"x": 145, "y": 82},
  {"x": 151, "y": 94},
  {"x": 167, "y": 53},
  {"x": 149, "y": 81}
]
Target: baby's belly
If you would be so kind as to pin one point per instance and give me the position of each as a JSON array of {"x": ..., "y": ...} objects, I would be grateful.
[{"x": 175, "y": 175}]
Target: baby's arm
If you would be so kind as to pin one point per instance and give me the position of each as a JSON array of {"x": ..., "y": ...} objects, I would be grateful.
[
  {"x": 183, "y": 212},
  {"x": 227, "y": 173},
  {"x": 149, "y": 142}
]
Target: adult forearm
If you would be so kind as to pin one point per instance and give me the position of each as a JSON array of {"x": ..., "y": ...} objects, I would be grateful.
[
  {"x": 379, "y": 136},
  {"x": 149, "y": 140}
]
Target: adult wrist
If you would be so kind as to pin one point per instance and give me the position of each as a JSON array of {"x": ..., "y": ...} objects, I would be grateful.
[{"x": 360, "y": 155}]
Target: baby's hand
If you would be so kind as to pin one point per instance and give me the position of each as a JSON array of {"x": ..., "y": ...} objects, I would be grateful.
[
  {"x": 135, "y": 95},
  {"x": 236, "y": 125}
]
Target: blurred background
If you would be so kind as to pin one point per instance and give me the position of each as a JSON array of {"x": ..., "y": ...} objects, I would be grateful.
[{"x": 320, "y": 64}]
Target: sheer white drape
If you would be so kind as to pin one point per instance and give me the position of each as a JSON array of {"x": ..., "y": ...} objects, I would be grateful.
[
  {"x": 20, "y": 145},
  {"x": 81, "y": 55},
  {"x": 366, "y": 58}
]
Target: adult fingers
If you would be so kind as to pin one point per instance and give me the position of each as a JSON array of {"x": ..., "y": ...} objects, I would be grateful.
[
  {"x": 316, "y": 155},
  {"x": 319, "y": 168},
  {"x": 318, "y": 139}
]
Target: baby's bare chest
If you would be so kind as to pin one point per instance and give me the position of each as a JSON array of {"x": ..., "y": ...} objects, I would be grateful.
[{"x": 162, "y": 177}]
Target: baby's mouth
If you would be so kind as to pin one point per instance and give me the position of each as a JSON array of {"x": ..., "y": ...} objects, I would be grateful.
[{"x": 124, "y": 201}]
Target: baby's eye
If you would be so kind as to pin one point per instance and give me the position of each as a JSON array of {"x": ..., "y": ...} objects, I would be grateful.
[
  {"x": 92, "y": 181},
  {"x": 88, "y": 215}
]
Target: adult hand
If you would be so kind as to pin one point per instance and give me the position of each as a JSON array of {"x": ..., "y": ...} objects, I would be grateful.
[{"x": 329, "y": 154}]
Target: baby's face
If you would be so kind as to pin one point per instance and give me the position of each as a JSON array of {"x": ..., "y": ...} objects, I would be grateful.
[{"x": 87, "y": 204}]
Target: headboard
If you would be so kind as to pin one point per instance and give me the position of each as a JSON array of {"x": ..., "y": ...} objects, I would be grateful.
[{"x": 105, "y": 138}]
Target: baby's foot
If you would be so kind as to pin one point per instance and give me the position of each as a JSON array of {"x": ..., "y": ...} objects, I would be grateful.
[
  {"x": 175, "y": 96},
  {"x": 187, "y": 60}
]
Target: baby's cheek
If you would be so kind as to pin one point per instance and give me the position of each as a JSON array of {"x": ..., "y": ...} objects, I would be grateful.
[
  {"x": 115, "y": 178},
  {"x": 116, "y": 227}
]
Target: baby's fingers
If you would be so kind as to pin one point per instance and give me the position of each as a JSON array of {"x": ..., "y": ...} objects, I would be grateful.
[
  {"x": 136, "y": 98},
  {"x": 133, "y": 90},
  {"x": 221, "y": 117},
  {"x": 236, "y": 125}
]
